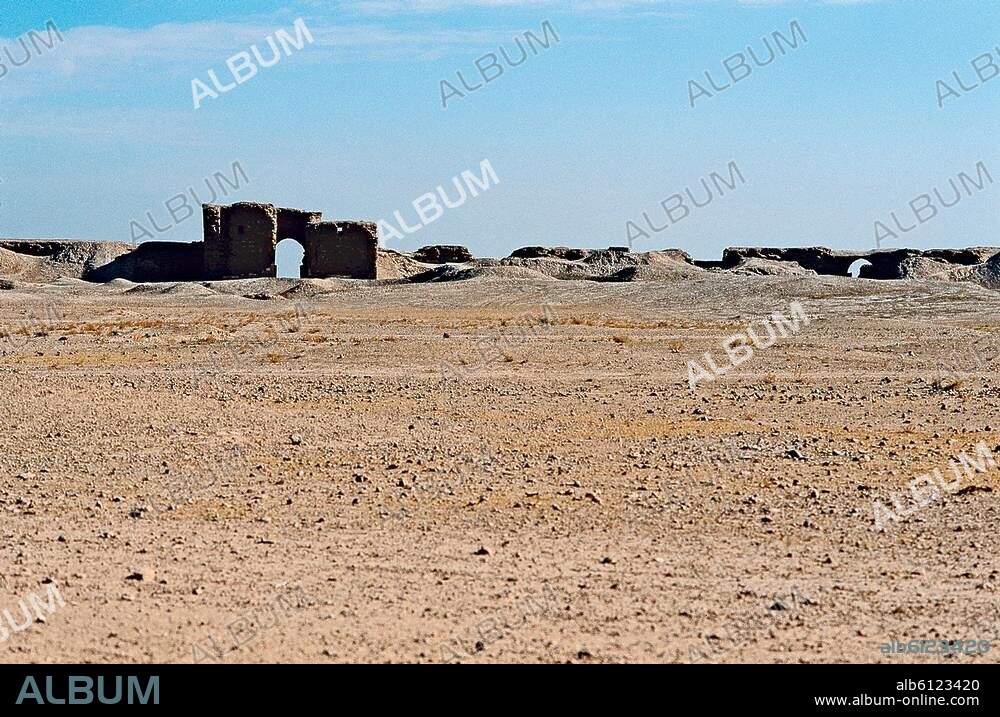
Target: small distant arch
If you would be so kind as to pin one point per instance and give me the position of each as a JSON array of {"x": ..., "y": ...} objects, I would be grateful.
[
  {"x": 854, "y": 270},
  {"x": 289, "y": 255}
]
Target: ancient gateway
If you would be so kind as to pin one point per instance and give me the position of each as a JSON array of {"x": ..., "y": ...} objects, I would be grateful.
[{"x": 240, "y": 241}]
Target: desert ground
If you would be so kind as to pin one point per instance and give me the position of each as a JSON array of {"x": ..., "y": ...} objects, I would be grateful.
[{"x": 492, "y": 470}]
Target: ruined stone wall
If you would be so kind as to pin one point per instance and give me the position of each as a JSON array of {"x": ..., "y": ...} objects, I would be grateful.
[
  {"x": 240, "y": 242},
  {"x": 885, "y": 264},
  {"x": 155, "y": 261},
  {"x": 341, "y": 249},
  {"x": 292, "y": 223},
  {"x": 245, "y": 247},
  {"x": 215, "y": 248}
]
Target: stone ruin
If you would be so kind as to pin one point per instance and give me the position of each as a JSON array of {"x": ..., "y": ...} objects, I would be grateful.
[
  {"x": 241, "y": 239},
  {"x": 240, "y": 242},
  {"x": 881, "y": 263}
]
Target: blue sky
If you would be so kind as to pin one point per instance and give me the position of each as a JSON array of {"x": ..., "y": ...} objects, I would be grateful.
[{"x": 584, "y": 136}]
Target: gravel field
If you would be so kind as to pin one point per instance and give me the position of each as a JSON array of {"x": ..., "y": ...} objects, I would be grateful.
[{"x": 495, "y": 470}]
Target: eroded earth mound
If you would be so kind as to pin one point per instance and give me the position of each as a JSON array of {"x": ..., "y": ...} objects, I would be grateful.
[{"x": 44, "y": 261}]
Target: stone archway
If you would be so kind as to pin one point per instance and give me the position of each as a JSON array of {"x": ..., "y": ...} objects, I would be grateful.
[
  {"x": 241, "y": 241},
  {"x": 857, "y": 268},
  {"x": 293, "y": 224}
]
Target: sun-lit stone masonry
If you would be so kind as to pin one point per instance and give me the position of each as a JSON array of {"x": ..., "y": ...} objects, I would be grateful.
[{"x": 240, "y": 241}]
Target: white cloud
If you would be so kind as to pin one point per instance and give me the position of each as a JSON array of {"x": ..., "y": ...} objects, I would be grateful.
[{"x": 102, "y": 57}]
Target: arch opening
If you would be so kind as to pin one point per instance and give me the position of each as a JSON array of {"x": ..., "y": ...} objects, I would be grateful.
[
  {"x": 854, "y": 270},
  {"x": 289, "y": 256}
]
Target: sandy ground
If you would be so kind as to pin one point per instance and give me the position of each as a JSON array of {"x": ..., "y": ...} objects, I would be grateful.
[{"x": 206, "y": 477}]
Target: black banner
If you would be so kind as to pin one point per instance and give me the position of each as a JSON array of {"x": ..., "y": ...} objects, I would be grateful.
[{"x": 819, "y": 688}]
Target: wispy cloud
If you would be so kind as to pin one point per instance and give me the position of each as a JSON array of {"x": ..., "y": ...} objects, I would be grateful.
[
  {"x": 102, "y": 57},
  {"x": 105, "y": 57}
]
